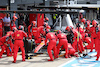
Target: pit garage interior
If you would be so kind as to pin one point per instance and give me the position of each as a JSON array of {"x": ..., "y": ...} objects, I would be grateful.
[{"x": 60, "y": 15}]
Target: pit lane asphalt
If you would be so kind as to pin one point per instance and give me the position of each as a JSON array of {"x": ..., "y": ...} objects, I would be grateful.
[{"x": 40, "y": 60}]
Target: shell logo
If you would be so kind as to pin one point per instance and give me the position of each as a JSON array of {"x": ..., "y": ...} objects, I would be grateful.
[{"x": 18, "y": 35}]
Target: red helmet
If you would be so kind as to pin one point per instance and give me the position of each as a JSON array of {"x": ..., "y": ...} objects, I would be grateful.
[
  {"x": 21, "y": 27},
  {"x": 45, "y": 24},
  {"x": 94, "y": 22},
  {"x": 89, "y": 21},
  {"x": 83, "y": 20},
  {"x": 68, "y": 28},
  {"x": 59, "y": 31},
  {"x": 14, "y": 18},
  {"x": 48, "y": 27},
  {"x": 34, "y": 23},
  {"x": 46, "y": 19},
  {"x": 71, "y": 27}
]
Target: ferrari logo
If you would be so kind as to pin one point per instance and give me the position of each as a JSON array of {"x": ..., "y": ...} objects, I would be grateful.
[{"x": 18, "y": 35}]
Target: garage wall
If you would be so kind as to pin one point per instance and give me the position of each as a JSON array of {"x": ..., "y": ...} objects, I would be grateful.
[{"x": 3, "y": 2}]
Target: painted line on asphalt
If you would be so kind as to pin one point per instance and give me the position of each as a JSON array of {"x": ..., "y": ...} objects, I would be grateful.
[
  {"x": 66, "y": 63},
  {"x": 82, "y": 62}
]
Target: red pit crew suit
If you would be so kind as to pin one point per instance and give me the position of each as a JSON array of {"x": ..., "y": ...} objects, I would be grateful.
[
  {"x": 87, "y": 27},
  {"x": 12, "y": 25},
  {"x": 9, "y": 53},
  {"x": 93, "y": 38},
  {"x": 51, "y": 45},
  {"x": 13, "y": 22},
  {"x": 87, "y": 39},
  {"x": 77, "y": 42},
  {"x": 81, "y": 31},
  {"x": 89, "y": 21},
  {"x": 80, "y": 16},
  {"x": 36, "y": 35},
  {"x": 1, "y": 29},
  {"x": 30, "y": 31},
  {"x": 33, "y": 32},
  {"x": 48, "y": 28},
  {"x": 18, "y": 36},
  {"x": 14, "y": 17},
  {"x": 33, "y": 24},
  {"x": 71, "y": 50},
  {"x": 83, "y": 20},
  {"x": 62, "y": 41},
  {"x": 42, "y": 30},
  {"x": 98, "y": 46},
  {"x": 2, "y": 41}
]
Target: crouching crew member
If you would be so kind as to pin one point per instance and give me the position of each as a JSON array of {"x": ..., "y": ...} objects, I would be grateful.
[
  {"x": 3, "y": 43},
  {"x": 71, "y": 51},
  {"x": 62, "y": 41}
]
